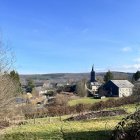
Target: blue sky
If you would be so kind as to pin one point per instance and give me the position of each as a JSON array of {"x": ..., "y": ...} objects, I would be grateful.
[{"x": 54, "y": 36}]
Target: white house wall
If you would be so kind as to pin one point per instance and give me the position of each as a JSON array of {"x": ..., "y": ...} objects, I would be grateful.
[
  {"x": 95, "y": 88},
  {"x": 125, "y": 92}
]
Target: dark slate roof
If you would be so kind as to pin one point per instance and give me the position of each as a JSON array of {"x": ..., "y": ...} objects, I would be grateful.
[{"x": 123, "y": 83}]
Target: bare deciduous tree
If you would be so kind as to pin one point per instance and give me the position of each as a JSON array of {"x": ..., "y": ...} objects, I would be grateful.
[
  {"x": 80, "y": 88},
  {"x": 8, "y": 88},
  {"x": 61, "y": 100}
]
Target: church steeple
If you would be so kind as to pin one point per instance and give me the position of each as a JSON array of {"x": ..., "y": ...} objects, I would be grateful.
[
  {"x": 93, "y": 67},
  {"x": 92, "y": 78}
]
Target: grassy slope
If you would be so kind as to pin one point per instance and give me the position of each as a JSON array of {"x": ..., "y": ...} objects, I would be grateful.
[
  {"x": 50, "y": 128},
  {"x": 85, "y": 100}
]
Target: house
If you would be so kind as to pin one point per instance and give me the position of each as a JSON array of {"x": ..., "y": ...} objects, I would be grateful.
[{"x": 118, "y": 88}]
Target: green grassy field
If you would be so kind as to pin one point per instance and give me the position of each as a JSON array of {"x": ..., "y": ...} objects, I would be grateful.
[
  {"x": 85, "y": 100},
  {"x": 55, "y": 129},
  {"x": 44, "y": 129}
]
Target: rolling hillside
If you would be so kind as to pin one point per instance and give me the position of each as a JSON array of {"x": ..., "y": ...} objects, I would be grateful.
[{"x": 72, "y": 77}]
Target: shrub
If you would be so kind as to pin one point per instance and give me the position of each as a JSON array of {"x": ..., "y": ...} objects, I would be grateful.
[
  {"x": 60, "y": 106},
  {"x": 31, "y": 111},
  {"x": 57, "y": 110},
  {"x": 61, "y": 100},
  {"x": 128, "y": 128},
  {"x": 4, "y": 124},
  {"x": 115, "y": 102}
]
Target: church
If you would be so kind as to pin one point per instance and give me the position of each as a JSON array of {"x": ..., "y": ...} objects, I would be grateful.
[
  {"x": 94, "y": 84},
  {"x": 113, "y": 88}
]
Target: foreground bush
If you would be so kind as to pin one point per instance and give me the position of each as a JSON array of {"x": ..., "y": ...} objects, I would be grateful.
[{"x": 128, "y": 128}]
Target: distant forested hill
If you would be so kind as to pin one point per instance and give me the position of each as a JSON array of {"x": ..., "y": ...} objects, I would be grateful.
[{"x": 70, "y": 77}]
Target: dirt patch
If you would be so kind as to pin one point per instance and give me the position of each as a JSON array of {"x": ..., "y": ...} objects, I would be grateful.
[{"x": 96, "y": 114}]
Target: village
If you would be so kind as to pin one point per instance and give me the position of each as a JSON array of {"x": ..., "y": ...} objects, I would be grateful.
[{"x": 46, "y": 92}]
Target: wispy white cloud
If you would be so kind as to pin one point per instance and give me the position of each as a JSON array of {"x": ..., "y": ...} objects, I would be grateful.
[
  {"x": 101, "y": 69},
  {"x": 127, "y": 68},
  {"x": 137, "y": 59},
  {"x": 133, "y": 66},
  {"x": 126, "y": 49}
]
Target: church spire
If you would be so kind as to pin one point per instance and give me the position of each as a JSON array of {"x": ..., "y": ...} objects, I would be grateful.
[
  {"x": 93, "y": 67},
  {"x": 93, "y": 77}
]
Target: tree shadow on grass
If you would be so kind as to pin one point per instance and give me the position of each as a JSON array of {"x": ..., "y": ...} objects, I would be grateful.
[{"x": 87, "y": 135}]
